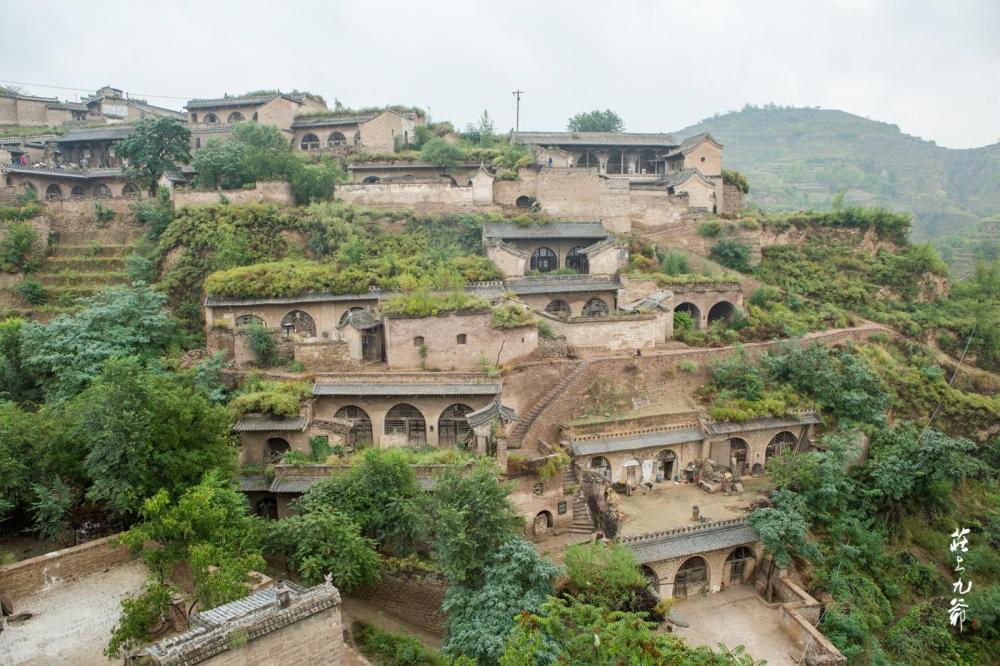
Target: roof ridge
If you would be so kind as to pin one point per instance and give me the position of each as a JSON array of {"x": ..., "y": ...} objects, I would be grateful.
[{"x": 683, "y": 529}]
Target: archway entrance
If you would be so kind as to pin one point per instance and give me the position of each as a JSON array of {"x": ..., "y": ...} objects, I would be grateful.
[
  {"x": 691, "y": 578},
  {"x": 360, "y": 433},
  {"x": 300, "y": 322},
  {"x": 721, "y": 311},
  {"x": 738, "y": 451},
  {"x": 665, "y": 465},
  {"x": 543, "y": 260},
  {"x": 783, "y": 441},
  {"x": 407, "y": 420},
  {"x": 453, "y": 428},
  {"x": 267, "y": 508},
  {"x": 692, "y": 311},
  {"x": 542, "y": 523},
  {"x": 739, "y": 561},
  {"x": 652, "y": 580},
  {"x": 601, "y": 465},
  {"x": 276, "y": 447}
]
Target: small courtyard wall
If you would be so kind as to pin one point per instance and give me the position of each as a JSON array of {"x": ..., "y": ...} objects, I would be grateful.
[
  {"x": 614, "y": 333},
  {"x": 413, "y": 597},
  {"x": 799, "y": 616},
  {"x": 732, "y": 199},
  {"x": 272, "y": 191},
  {"x": 440, "y": 337},
  {"x": 24, "y": 578}
]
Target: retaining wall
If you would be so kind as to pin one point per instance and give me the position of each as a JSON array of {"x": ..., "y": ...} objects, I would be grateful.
[{"x": 27, "y": 577}]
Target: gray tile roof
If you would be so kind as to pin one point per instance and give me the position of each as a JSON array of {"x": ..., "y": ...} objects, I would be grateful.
[
  {"x": 646, "y": 440},
  {"x": 657, "y": 299},
  {"x": 109, "y": 133},
  {"x": 270, "y": 423},
  {"x": 251, "y": 603},
  {"x": 489, "y": 412},
  {"x": 253, "y": 484},
  {"x": 677, "y": 177},
  {"x": 362, "y": 320},
  {"x": 332, "y": 121},
  {"x": 693, "y": 540},
  {"x": 690, "y": 142},
  {"x": 294, "y": 485},
  {"x": 544, "y": 284},
  {"x": 596, "y": 139},
  {"x": 404, "y": 388},
  {"x": 312, "y": 297},
  {"x": 78, "y": 174},
  {"x": 512, "y": 231},
  {"x": 240, "y": 100},
  {"x": 405, "y": 164},
  {"x": 728, "y": 427}
]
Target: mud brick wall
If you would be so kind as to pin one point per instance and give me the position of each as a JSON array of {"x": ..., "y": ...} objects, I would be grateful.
[
  {"x": 273, "y": 191},
  {"x": 415, "y": 598},
  {"x": 27, "y": 577}
]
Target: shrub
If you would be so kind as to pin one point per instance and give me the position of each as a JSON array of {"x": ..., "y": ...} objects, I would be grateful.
[
  {"x": 140, "y": 269},
  {"x": 325, "y": 542},
  {"x": 103, "y": 215},
  {"x": 17, "y": 247},
  {"x": 31, "y": 290},
  {"x": 426, "y": 304},
  {"x": 512, "y": 315},
  {"x": 735, "y": 178},
  {"x": 389, "y": 649},
  {"x": 296, "y": 366},
  {"x": 270, "y": 397},
  {"x": 687, "y": 366},
  {"x": 682, "y": 322},
  {"x": 262, "y": 344},
  {"x": 710, "y": 229},
  {"x": 155, "y": 214},
  {"x": 441, "y": 153},
  {"x": 732, "y": 254},
  {"x": 545, "y": 330}
]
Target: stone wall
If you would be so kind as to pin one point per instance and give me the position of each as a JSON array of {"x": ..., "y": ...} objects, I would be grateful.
[
  {"x": 799, "y": 616},
  {"x": 27, "y": 577},
  {"x": 412, "y": 597},
  {"x": 324, "y": 356},
  {"x": 425, "y": 198},
  {"x": 274, "y": 191},
  {"x": 732, "y": 199},
  {"x": 533, "y": 497},
  {"x": 611, "y": 333}
]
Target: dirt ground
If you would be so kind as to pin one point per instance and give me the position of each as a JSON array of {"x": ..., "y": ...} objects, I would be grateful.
[
  {"x": 737, "y": 616},
  {"x": 668, "y": 505},
  {"x": 72, "y": 622}
]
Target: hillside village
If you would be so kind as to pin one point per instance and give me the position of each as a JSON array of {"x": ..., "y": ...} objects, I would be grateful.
[{"x": 591, "y": 325}]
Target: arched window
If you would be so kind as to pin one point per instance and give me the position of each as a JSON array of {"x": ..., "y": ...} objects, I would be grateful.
[
  {"x": 721, "y": 311},
  {"x": 783, "y": 441},
  {"x": 691, "y": 578},
  {"x": 407, "y": 420},
  {"x": 53, "y": 191},
  {"x": 739, "y": 560},
  {"x": 588, "y": 160},
  {"x": 577, "y": 260},
  {"x": 276, "y": 447},
  {"x": 102, "y": 191},
  {"x": 299, "y": 322},
  {"x": 544, "y": 260},
  {"x": 370, "y": 180},
  {"x": 309, "y": 142},
  {"x": 211, "y": 118},
  {"x": 130, "y": 190},
  {"x": 77, "y": 192},
  {"x": 692, "y": 311},
  {"x": 336, "y": 139},
  {"x": 361, "y": 430},
  {"x": 558, "y": 308},
  {"x": 523, "y": 201},
  {"x": 235, "y": 117},
  {"x": 601, "y": 465},
  {"x": 245, "y": 320},
  {"x": 453, "y": 428},
  {"x": 595, "y": 307}
]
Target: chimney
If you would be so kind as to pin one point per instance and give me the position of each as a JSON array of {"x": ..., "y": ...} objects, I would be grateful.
[{"x": 281, "y": 591}]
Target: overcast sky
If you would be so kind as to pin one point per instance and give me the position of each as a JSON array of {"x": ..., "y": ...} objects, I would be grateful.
[{"x": 933, "y": 68}]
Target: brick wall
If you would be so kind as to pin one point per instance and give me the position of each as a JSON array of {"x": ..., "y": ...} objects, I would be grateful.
[
  {"x": 27, "y": 577},
  {"x": 427, "y": 198},
  {"x": 324, "y": 356},
  {"x": 611, "y": 333},
  {"x": 415, "y": 598},
  {"x": 732, "y": 199},
  {"x": 274, "y": 191}
]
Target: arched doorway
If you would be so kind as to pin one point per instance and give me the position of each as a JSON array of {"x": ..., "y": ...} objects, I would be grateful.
[
  {"x": 245, "y": 320},
  {"x": 211, "y": 118},
  {"x": 739, "y": 450},
  {"x": 542, "y": 524},
  {"x": 783, "y": 441},
  {"x": 276, "y": 447},
  {"x": 595, "y": 307},
  {"x": 130, "y": 190},
  {"x": 453, "y": 427},
  {"x": 558, "y": 308},
  {"x": 336, "y": 139},
  {"x": 543, "y": 260},
  {"x": 652, "y": 580},
  {"x": 407, "y": 420},
  {"x": 601, "y": 465},
  {"x": 757, "y": 469},
  {"x": 577, "y": 260},
  {"x": 721, "y": 311},
  {"x": 692, "y": 311},
  {"x": 740, "y": 560},
  {"x": 309, "y": 142},
  {"x": 360, "y": 433},
  {"x": 267, "y": 508},
  {"x": 77, "y": 192},
  {"x": 691, "y": 578},
  {"x": 102, "y": 191},
  {"x": 370, "y": 180},
  {"x": 299, "y": 322},
  {"x": 588, "y": 160},
  {"x": 53, "y": 191},
  {"x": 616, "y": 163},
  {"x": 665, "y": 465},
  {"x": 235, "y": 117}
]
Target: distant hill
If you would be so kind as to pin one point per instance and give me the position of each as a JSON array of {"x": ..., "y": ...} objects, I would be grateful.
[{"x": 801, "y": 158}]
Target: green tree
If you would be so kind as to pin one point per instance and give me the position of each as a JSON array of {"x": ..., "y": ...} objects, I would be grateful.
[
  {"x": 141, "y": 431},
  {"x": 603, "y": 574},
  {"x": 321, "y": 543},
  {"x": 441, "y": 153},
  {"x": 17, "y": 247},
  {"x": 517, "y": 579},
  {"x": 732, "y": 254},
  {"x": 17, "y": 382},
  {"x": 67, "y": 352},
  {"x": 21, "y": 432},
  {"x": 469, "y": 519},
  {"x": 596, "y": 121},
  {"x": 783, "y": 531},
  {"x": 155, "y": 145}
]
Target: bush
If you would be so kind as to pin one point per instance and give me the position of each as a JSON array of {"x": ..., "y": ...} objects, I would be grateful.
[
  {"x": 389, "y": 649},
  {"x": 140, "y": 269},
  {"x": 155, "y": 214},
  {"x": 687, "y": 366},
  {"x": 545, "y": 330},
  {"x": 31, "y": 290},
  {"x": 103, "y": 215},
  {"x": 17, "y": 248},
  {"x": 735, "y": 178},
  {"x": 270, "y": 397},
  {"x": 710, "y": 229},
  {"x": 732, "y": 254},
  {"x": 427, "y": 304},
  {"x": 441, "y": 153},
  {"x": 512, "y": 315},
  {"x": 262, "y": 344}
]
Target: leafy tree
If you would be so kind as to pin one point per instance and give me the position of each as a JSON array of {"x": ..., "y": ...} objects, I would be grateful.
[
  {"x": 470, "y": 518},
  {"x": 732, "y": 254},
  {"x": 67, "y": 352},
  {"x": 516, "y": 580},
  {"x": 596, "y": 121},
  {"x": 155, "y": 214},
  {"x": 482, "y": 133},
  {"x": 441, "y": 153},
  {"x": 783, "y": 531},
  {"x": 324, "y": 542},
  {"x": 17, "y": 248},
  {"x": 17, "y": 382},
  {"x": 139, "y": 615},
  {"x": 603, "y": 574},
  {"x": 20, "y": 433},
  {"x": 142, "y": 431},
  {"x": 380, "y": 494},
  {"x": 155, "y": 145}
]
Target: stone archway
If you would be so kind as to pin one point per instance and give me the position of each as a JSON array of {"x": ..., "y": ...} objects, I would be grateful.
[
  {"x": 360, "y": 434},
  {"x": 309, "y": 142},
  {"x": 543, "y": 260},
  {"x": 336, "y": 139},
  {"x": 406, "y": 420},
  {"x": 721, "y": 311},
  {"x": 453, "y": 427},
  {"x": 601, "y": 465},
  {"x": 275, "y": 449},
  {"x": 740, "y": 562},
  {"x": 53, "y": 191},
  {"x": 595, "y": 307},
  {"x": 691, "y": 578},
  {"x": 300, "y": 322},
  {"x": 691, "y": 310},
  {"x": 780, "y": 443},
  {"x": 542, "y": 524},
  {"x": 244, "y": 320},
  {"x": 267, "y": 508},
  {"x": 739, "y": 453},
  {"x": 235, "y": 117},
  {"x": 558, "y": 308}
]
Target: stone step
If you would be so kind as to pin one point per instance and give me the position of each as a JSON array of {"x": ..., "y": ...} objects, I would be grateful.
[
  {"x": 83, "y": 264},
  {"x": 89, "y": 250},
  {"x": 78, "y": 278}
]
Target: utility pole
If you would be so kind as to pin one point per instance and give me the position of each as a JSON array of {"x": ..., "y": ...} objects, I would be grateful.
[{"x": 517, "y": 113}]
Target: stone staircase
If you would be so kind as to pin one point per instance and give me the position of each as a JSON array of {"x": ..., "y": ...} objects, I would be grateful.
[
  {"x": 525, "y": 422},
  {"x": 582, "y": 522}
]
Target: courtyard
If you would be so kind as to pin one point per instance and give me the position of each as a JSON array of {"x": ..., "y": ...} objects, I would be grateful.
[
  {"x": 737, "y": 616},
  {"x": 669, "y": 505}
]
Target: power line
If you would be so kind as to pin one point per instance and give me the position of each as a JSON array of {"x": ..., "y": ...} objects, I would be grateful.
[{"x": 88, "y": 90}]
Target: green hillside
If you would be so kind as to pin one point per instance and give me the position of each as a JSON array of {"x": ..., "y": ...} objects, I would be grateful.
[{"x": 801, "y": 158}]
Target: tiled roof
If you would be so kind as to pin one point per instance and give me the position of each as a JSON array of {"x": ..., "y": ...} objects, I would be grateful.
[
  {"x": 686, "y": 541},
  {"x": 657, "y": 299},
  {"x": 404, "y": 389},
  {"x": 596, "y": 139},
  {"x": 543, "y": 284},
  {"x": 677, "y": 177},
  {"x": 294, "y": 485},
  {"x": 512, "y": 231},
  {"x": 646, "y": 440},
  {"x": 239, "y": 101},
  {"x": 362, "y": 320},
  {"x": 68, "y": 106},
  {"x": 728, "y": 427},
  {"x": 489, "y": 412},
  {"x": 331, "y": 121},
  {"x": 79, "y": 174},
  {"x": 109, "y": 133},
  {"x": 270, "y": 423},
  {"x": 312, "y": 297},
  {"x": 405, "y": 164},
  {"x": 253, "y": 484},
  {"x": 690, "y": 142},
  {"x": 251, "y": 603}
]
